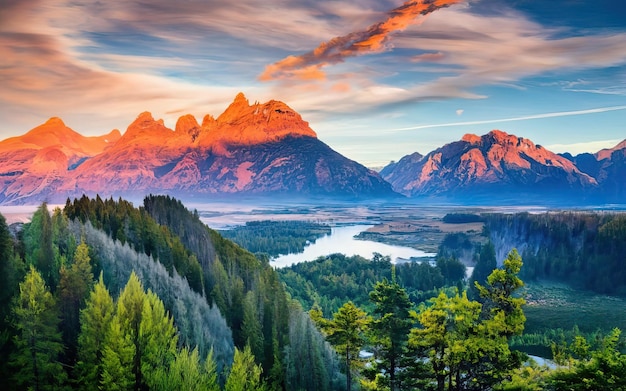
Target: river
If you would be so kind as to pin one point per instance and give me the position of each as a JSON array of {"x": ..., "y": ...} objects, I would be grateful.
[{"x": 341, "y": 240}]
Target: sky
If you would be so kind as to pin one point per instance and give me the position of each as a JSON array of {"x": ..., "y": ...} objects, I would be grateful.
[{"x": 376, "y": 79}]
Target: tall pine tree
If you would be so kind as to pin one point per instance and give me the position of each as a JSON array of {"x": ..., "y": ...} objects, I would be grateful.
[
  {"x": 346, "y": 332},
  {"x": 244, "y": 375},
  {"x": 95, "y": 320},
  {"x": 74, "y": 285},
  {"x": 38, "y": 340},
  {"x": 391, "y": 325},
  {"x": 157, "y": 338}
]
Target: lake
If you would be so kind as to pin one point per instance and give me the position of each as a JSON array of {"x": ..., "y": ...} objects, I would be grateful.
[{"x": 341, "y": 240}]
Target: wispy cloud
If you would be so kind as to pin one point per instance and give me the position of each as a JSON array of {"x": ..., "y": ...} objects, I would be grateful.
[
  {"x": 101, "y": 63},
  {"x": 589, "y": 147},
  {"x": 372, "y": 40},
  {"x": 514, "y": 119}
]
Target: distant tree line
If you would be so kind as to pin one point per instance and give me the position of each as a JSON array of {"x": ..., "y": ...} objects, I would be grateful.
[
  {"x": 583, "y": 249},
  {"x": 276, "y": 237},
  {"x": 461, "y": 218},
  {"x": 332, "y": 280}
]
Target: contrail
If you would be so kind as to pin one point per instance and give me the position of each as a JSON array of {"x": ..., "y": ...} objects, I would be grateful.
[
  {"x": 535, "y": 116},
  {"x": 373, "y": 40}
]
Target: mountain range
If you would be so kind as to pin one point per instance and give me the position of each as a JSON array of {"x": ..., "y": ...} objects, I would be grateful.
[
  {"x": 254, "y": 150},
  {"x": 502, "y": 167},
  {"x": 267, "y": 149}
]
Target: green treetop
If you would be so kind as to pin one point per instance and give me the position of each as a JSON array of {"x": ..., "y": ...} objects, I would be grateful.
[{"x": 38, "y": 340}]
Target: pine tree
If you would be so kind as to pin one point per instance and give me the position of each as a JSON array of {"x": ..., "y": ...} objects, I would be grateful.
[
  {"x": 95, "y": 321},
  {"x": 11, "y": 271},
  {"x": 118, "y": 358},
  {"x": 129, "y": 310},
  {"x": 187, "y": 373},
  {"x": 499, "y": 293},
  {"x": 210, "y": 380},
  {"x": 157, "y": 337},
  {"x": 346, "y": 332},
  {"x": 74, "y": 285},
  {"x": 251, "y": 328},
  {"x": 244, "y": 375},
  {"x": 38, "y": 341},
  {"x": 453, "y": 339},
  {"x": 39, "y": 249},
  {"x": 391, "y": 325}
]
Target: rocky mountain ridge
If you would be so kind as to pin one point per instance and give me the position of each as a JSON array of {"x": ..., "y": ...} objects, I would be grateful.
[
  {"x": 267, "y": 149},
  {"x": 258, "y": 149},
  {"x": 499, "y": 166}
]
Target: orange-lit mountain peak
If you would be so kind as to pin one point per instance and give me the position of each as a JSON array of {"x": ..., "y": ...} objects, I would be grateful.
[
  {"x": 54, "y": 121},
  {"x": 146, "y": 127},
  {"x": 471, "y": 138},
  {"x": 185, "y": 123},
  {"x": 242, "y": 123},
  {"x": 208, "y": 121},
  {"x": 241, "y": 98},
  {"x": 607, "y": 152},
  {"x": 188, "y": 127},
  {"x": 235, "y": 110},
  {"x": 54, "y": 133}
]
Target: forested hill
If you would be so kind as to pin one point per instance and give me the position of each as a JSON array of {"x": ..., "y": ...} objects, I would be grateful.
[
  {"x": 223, "y": 313},
  {"x": 583, "y": 249}
]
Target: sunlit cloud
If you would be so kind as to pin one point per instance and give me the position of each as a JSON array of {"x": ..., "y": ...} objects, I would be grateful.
[
  {"x": 99, "y": 64},
  {"x": 374, "y": 39}
]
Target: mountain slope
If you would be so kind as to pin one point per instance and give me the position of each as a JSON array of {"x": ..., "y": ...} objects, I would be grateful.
[
  {"x": 608, "y": 166},
  {"x": 41, "y": 159},
  {"x": 492, "y": 165},
  {"x": 259, "y": 149}
]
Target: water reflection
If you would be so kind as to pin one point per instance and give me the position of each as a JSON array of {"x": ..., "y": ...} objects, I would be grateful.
[{"x": 341, "y": 240}]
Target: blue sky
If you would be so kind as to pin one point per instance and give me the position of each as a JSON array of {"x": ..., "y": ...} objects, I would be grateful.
[{"x": 374, "y": 83}]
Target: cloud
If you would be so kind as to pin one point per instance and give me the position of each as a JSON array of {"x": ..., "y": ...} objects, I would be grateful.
[
  {"x": 428, "y": 57},
  {"x": 514, "y": 119},
  {"x": 372, "y": 40},
  {"x": 589, "y": 146},
  {"x": 502, "y": 49}
]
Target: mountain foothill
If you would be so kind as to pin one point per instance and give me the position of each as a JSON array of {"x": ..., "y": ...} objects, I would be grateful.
[{"x": 267, "y": 149}]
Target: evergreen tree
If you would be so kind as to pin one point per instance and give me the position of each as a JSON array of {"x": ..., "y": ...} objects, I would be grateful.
[
  {"x": 38, "y": 246},
  {"x": 499, "y": 294},
  {"x": 603, "y": 369},
  {"x": 466, "y": 342},
  {"x": 251, "y": 327},
  {"x": 186, "y": 372},
  {"x": 346, "y": 331},
  {"x": 391, "y": 325},
  {"x": 244, "y": 375},
  {"x": 38, "y": 341},
  {"x": 130, "y": 306},
  {"x": 453, "y": 340},
  {"x": 95, "y": 321},
  {"x": 11, "y": 274},
  {"x": 118, "y": 358},
  {"x": 74, "y": 285},
  {"x": 158, "y": 338}
]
